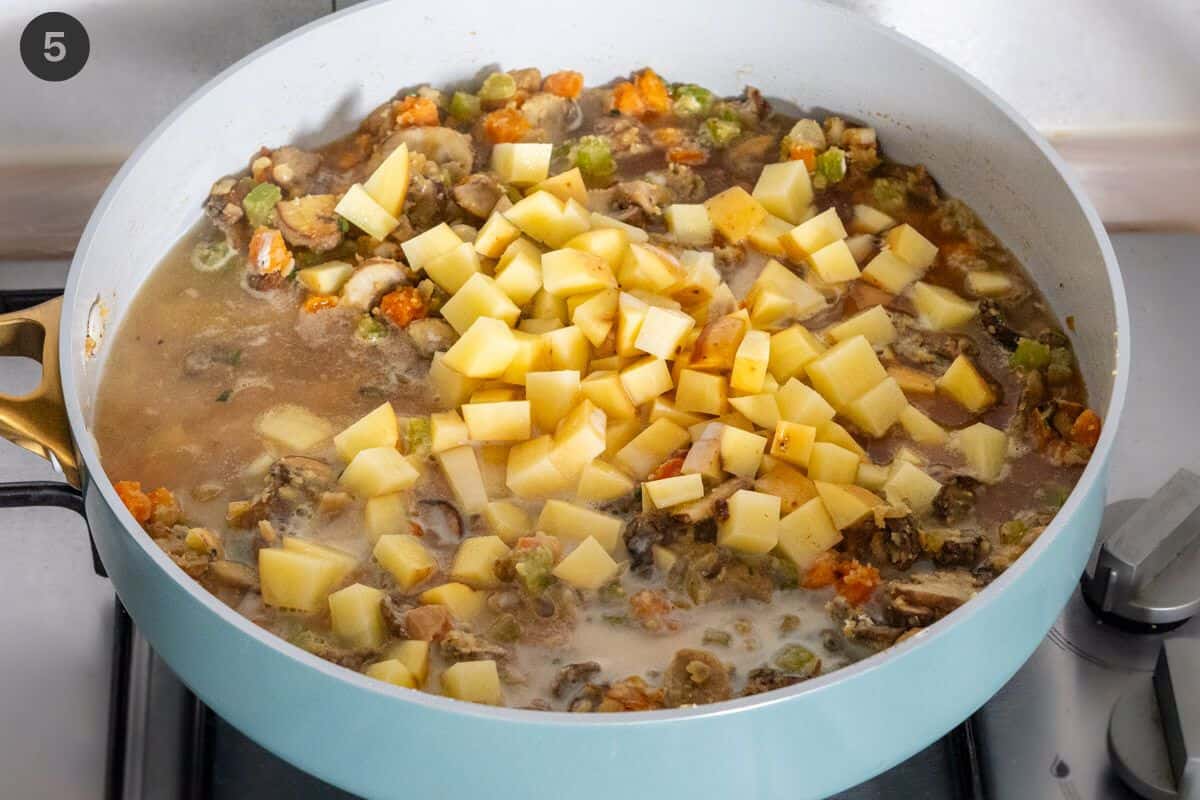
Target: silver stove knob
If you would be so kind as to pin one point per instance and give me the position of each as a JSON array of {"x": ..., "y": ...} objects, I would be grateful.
[{"x": 1145, "y": 573}]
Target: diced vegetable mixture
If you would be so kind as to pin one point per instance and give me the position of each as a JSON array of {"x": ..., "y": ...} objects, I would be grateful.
[{"x": 592, "y": 399}]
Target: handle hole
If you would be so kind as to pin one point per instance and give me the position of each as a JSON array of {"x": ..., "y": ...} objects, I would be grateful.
[
  {"x": 20, "y": 357},
  {"x": 19, "y": 375}
]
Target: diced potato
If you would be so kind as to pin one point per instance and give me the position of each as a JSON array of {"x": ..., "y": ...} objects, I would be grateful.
[
  {"x": 752, "y": 524},
  {"x": 461, "y": 468},
  {"x": 376, "y": 429},
  {"x": 700, "y": 392},
  {"x": 538, "y": 326},
  {"x": 791, "y": 351},
  {"x": 495, "y": 394},
  {"x": 847, "y": 505},
  {"x": 810, "y": 236},
  {"x": 875, "y": 324},
  {"x": 771, "y": 310},
  {"x": 405, "y": 557},
  {"x": 345, "y": 561},
  {"x": 664, "y": 559},
  {"x": 921, "y": 428},
  {"x": 869, "y": 220},
  {"x": 985, "y": 449},
  {"x": 463, "y": 602},
  {"x": 861, "y": 246},
  {"x": 890, "y": 272},
  {"x": 473, "y": 681},
  {"x": 543, "y": 217},
  {"x": 294, "y": 580},
  {"x": 579, "y": 438},
  {"x": 507, "y": 520},
  {"x": 750, "y": 362},
  {"x": 793, "y": 442},
  {"x": 664, "y": 408},
  {"x": 704, "y": 458},
  {"x": 940, "y": 309},
  {"x": 651, "y": 447},
  {"x": 600, "y": 481},
  {"x": 911, "y": 246},
  {"x": 498, "y": 422},
  {"x": 646, "y": 379},
  {"x": 475, "y": 561},
  {"x": 785, "y": 190},
  {"x": 496, "y": 236},
  {"x": 907, "y": 455},
  {"x": 634, "y": 233},
  {"x": 832, "y": 464},
  {"x": 493, "y": 465},
  {"x": 834, "y": 263},
  {"x": 799, "y": 402},
  {"x": 522, "y": 163},
  {"x": 378, "y": 470},
  {"x": 790, "y": 485},
  {"x": 356, "y": 616},
  {"x": 777, "y": 279},
  {"x": 806, "y": 533},
  {"x": 292, "y": 427},
  {"x": 551, "y": 395},
  {"x": 741, "y": 451},
  {"x": 531, "y": 473},
  {"x": 450, "y": 387},
  {"x": 568, "y": 272},
  {"x": 609, "y": 244},
  {"x": 386, "y": 514},
  {"x": 833, "y": 433},
  {"x": 565, "y": 186},
  {"x": 717, "y": 345},
  {"x": 765, "y": 238},
  {"x": 846, "y": 371},
  {"x": 912, "y": 381},
  {"x": 388, "y": 184},
  {"x": 484, "y": 351},
  {"x": 984, "y": 283},
  {"x": 519, "y": 272},
  {"x": 620, "y": 433},
  {"x": 595, "y": 315},
  {"x": 413, "y": 654},
  {"x": 761, "y": 409},
  {"x": 325, "y": 278},
  {"x": 912, "y": 486},
  {"x": 879, "y": 408},
  {"x": 667, "y": 492},
  {"x": 651, "y": 268},
  {"x": 451, "y": 269},
  {"x": 700, "y": 281},
  {"x": 604, "y": 388},
  {"x": 608, "y": 364},
  {"x": 479, "y": 297},
  {"x": 588, "y": 566},
  {"x": 689, "y": 223},
  {"x": 735, "y": 213},
  {"x": 361, "y": 210},
  {"x": 872, "y": 476},
  {"x": 393, "y": 671},
  {"x": 962, "y": 381},
  {"x": 575, "y": 523},
  {"x": 569, "y": 348},
  {"x": 663, "y": 331},
  {"x": 424, "y": 247},
  {"x": 533, "y": 355}
]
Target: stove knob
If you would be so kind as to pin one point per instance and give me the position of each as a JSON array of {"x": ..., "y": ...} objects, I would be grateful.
[
  {"x": 1154, "y": 731},
  {"x": 1145, "y": 574}
]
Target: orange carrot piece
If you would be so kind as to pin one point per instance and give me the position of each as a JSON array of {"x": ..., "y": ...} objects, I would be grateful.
[
  {"x": 628, "y": 100},
  {"x": 668, "y": 469},
  {"x": 319, "y": 302},
  {"x": 1086, "y": 429},
  {"x": 566, "y": 83},
  {"x": 805, "y": 153},
  {"x": 692, "y": 156},
  {"x": 137, "y": 501},
  {"x": 666, "y": 137},
  {"x": 416, "y": 111},
  {"x": 403, "y": 306},
  {"x": 822, "y": 573},
  {"x": 505, "y": 125},
  {"x": 858, "y": 582},
  {"x": 653, "y": 91},
  {"x": 268, "y": 253}
]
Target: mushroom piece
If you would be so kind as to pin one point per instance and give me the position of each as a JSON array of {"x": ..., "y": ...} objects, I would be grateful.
[
  {"x": 446, "y": 146},
  {"x": 370, "y": 281},
  {"x": 310, "y": 221}
]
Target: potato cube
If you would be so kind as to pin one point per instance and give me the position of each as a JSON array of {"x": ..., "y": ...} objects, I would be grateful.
[
  {"x": 811, "y": 235},
  {"x": 574, "y": 523},
  {"x": 551, "y": 395},
  {"x": 806, "y": 533},
  {"x": 778, "y": 280},
  {"x": 356, "y": 616},
  {"x": 294, "y": 580},
  {"x": 463, "y": 602},
  {"x": 531, "y": 473},
  {"x": 473, "y": 681},
  {"x": 519, "y": 272},
  {"x": 911, "y": 246},
  {"x": 963, "y": 382},
  {"x": 463, "y": 474},
  {"x": 704, "y": 459},
  {"x": 386, "y": 514},
  {"x": 834, "y": 263},
  {"x": 689, "y": 223},
  {"x": 663, "y": 331},
  {"x": 376, "y": 429},
  {"x": 790, "y": 485},
  {"x": 484, "y": 351},
  {"x": 907, "y": 455},
  {"x": 939, "y": 308},
  {"x": 414, "y": 655},
  {"x": 588, "y": 566},
  {"x": 393, "y": 671},
  {"x": 912, "y": 381},
  {"x": 292, "y": 427},
  {"x": 667, "y": 492},
  {"x": 785, "y": 190},
  {"x": 344, "y": 561},
  {"x": 604, "y": 388},
  {"x": 793, "y": 442},
  {"x": 872, "y": 476},
  {"x": 600, "y": 481},
  {"x": 920, "y": 428},
  {"x": 424, "y": 247},
  {"x": 634, "y": 233},
  {"x": 985, "y": 449},
  {"x": 451, "y": 269},
  {"x": 378, "y": 470},
  {"x": 791, "y": 351},
  {"x": 620, "y": 433},
  {"x": 496, "y": 236},
  {"x": 475, "y": 561},
  {"x": 734, "y": 212},
  {"x": 450, "y": 387},
  {"x": 984, "y": 283},
  {"x": 801, "y": 403},
  {"x": 752, "y": 525},
  {"x": 878, "y": 409},
  {"x": 595, "y": 315},
  {"x": 700, "y": 281},
  {"x": 664, "y": 559},
  {"x": 875, "y": 324},
  {"x": 741, "y": 451},
  {"x": 717, "y": 344},
  {"x": 646, "y": 379},
  {"x": 609, "y": 244},
  {"x": 493, "y": 465},
  {"x": 569, "y": 272},
  {"x": 388, "y": 184},
  {"x": 495, "y": 394},
  {"x": 538, "y": 326},
  {"x": 569, "y": 348},
  {"x": 870, "y": 220},
  {"x": 479, "y": 297},
  {"x": 700, "y": 392},
  {"x": 847, "y": 505},
  {"x": 833, "y": 433},
  {"x": 325, "y": 278},
  {"x": 498, "y": 422},
  {"x": 832, "y": 464},
  {"x": 890, "y": 272},
  {"x": 522, "y": 163},
  {"x": 507, "y": 520},
  {"x": 846, "y": 371},
  {"x": 542, "y": 216},
  {"x": 447, "y": 430},
  {"x": 580, "y": 437},
  {"x": 651, "y": 268},
  {"x": 361, "y": 210},
  {"x": 761, "y": 409},
  {"x": 651, "y": 447},
  {"x": 533, "y": 355},
  {"x": 862, "y": 246},
  {"x": 750, "y": 362},
  {"x": 765, "y": 238},
  {"x": 405, "y": 557},
  {"x": 912, "y": 486}
]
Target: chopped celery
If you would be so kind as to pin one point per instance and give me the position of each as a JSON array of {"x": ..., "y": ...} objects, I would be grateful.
[
  {"x": 594, "y": 157},
  {"x": 719, "y": 132},
  {"x": 1061, "y": 366},
  {"x": 1029, "y": 355},
  {"x": 796, "y": 659},
  {"x": 504, "y": 629},
  {"x": 691, "y": 100},
  {"x": 1055, "y": 496},
  {"x": 370, "y": 329},
  {"x": 211, "y": 256},
  {"x": 464, "y": 107},
  {"x": 533, "y": 567},
  {"x": 788, "y": 623},
  {"x": 259, "y": 203},
  {"x": 418, "y": 436},
  {"x": 1013, "y": 531},
  {"x": 497, "y": 87},
  {"x": 716, "y": 636},
  {"x": 831, "y": 165},
  {"x": 783, "y": 572},
  {"x": 612, "y": 592},
  {"x": 891, "y": 195}
]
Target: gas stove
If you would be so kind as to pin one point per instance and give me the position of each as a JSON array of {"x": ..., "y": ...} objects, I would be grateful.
[{"x": 101, "y": 715}]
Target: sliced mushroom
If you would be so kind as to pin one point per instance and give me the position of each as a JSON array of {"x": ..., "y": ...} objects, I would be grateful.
[
  {"x": 431, "y": 335},
  {"x": 446, "y": 146},
  {"x": 374, "y": 278},
  {"x": 310, "y": 221}
]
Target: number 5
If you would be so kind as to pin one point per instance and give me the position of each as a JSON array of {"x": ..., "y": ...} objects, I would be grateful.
[{"x": 55, "y": 50}]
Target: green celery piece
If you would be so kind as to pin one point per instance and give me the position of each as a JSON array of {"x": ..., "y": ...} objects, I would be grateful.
[
  {"x": 593, "y": 156},
  {"x": 418, "y": 436},
  {"x": 497, "y": 86},
  {"x": 1061, "y": 366},
  {"x": 1013, "y": 531},
  {"x": 259, "y": 204},
  {"x": 211, "y": 256},
  {"x": 891, "y": 195},
  {"x": 1030, "y": 355},
  {"x": 719, "y": 132},
  {"x": 533, "y": 567},
  {"x": 795, "y": 659},
  {"x": 370, "y": 329},
  {"x": 832, "y": 164},
  {"x": 464, "y": 107},
  {"x": 691, "y": 100}
]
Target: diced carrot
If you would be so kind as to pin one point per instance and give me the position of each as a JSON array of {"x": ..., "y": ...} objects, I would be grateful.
[
  {"x": 653, "y": 91},
  {"x": 137, "y": 501},
  {"x": 803, "y": 152},
  {"x": 505, "y": 125},
  {"x": 162, "y": 497},
  {"x": 858, "y": 582},
  {"x": 1086, "y": 429},
  {"x": 666, "y": 137},
  {"x": 566, "y": 83},
  {"x": 822, "y": 573},
  {"x": 268, "y": 253},
  {"x": 319, "y": 302},
  {"x": 628, "y": 100},
  {"x": 668, "y": 469},
  {"x": 651, "y": 608},
  {"x": 416, "y": 111},
  {"x": 692, "y": 156},
  {"x": 403, "y": 306}
]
